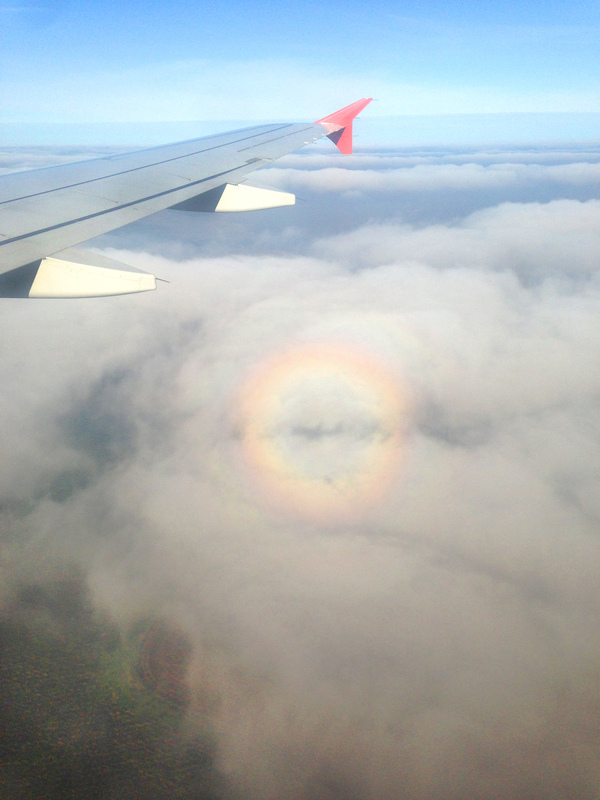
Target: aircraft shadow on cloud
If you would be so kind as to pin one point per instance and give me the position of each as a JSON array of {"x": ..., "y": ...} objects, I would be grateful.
[{"x": 44, "y": 213}]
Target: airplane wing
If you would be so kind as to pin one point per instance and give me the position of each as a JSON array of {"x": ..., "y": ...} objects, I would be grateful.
[{"x": 44, "y": 213}]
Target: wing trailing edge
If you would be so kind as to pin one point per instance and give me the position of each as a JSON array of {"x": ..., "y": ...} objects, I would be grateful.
[{"x": 339, "y": 124}]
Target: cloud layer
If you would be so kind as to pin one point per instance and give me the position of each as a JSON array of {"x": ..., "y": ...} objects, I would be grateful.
[{"x": 192, "y": 450}]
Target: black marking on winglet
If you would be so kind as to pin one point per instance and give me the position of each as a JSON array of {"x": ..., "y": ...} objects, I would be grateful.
[{"x": 335, "y": 136}]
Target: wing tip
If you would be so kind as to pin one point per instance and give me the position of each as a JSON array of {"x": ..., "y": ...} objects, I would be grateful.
[
  {"x": 346, "y": 114},
  {"x": 339, "y": 124}
]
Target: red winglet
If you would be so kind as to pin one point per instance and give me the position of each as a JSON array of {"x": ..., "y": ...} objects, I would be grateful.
[{"x": 339, "y": 124}]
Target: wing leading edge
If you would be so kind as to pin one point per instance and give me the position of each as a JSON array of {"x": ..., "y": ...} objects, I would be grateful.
[{"x": 45, "y": 212}]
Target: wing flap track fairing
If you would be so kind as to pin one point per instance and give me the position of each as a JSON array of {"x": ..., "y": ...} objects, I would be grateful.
[{"x": 75, "y": 273}]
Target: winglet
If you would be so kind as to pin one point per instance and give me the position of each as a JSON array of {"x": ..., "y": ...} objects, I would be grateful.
[{"x": 339, "y": 124}]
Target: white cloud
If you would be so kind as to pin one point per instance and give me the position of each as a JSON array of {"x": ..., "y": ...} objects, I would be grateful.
[
  {"x": 556, "y": 240},
  {"x": 428, "y": 177},
  {"x": 16, "y": 159},
  {"x": 440, "y": 641}
]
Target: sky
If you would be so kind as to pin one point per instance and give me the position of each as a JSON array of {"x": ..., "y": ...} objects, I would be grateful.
[
  {"x": 345, "y": 464},
  {"x": 84, "y": 63},
  {"x": 350, "y": 454}
]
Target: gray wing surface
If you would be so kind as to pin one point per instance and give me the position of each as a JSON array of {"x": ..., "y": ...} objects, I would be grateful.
[{"x": 45, "y": 212}]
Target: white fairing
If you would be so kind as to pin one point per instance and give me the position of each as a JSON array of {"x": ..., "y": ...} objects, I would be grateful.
[
  {"x": 80, "y": 274},
  {"x": 249, "y": 198}
]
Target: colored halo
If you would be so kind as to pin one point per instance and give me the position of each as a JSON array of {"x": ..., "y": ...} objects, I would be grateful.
[{"x": 322, "y": 430}]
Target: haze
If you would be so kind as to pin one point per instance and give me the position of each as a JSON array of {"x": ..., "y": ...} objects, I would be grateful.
[{"x": 350, "y": 453}]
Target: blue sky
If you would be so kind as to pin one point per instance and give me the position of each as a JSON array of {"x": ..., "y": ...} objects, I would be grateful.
[{"x": 103, "y": 62}]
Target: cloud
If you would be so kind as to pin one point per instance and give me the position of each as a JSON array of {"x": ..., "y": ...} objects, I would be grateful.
[
  {"x": 398, "y": 157},
  {"x": 191, "y": 450},
  {"x": 15, "y": 159},
  {"x": 402, "y": 174},
  {"x": 536, "y": 241}
]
